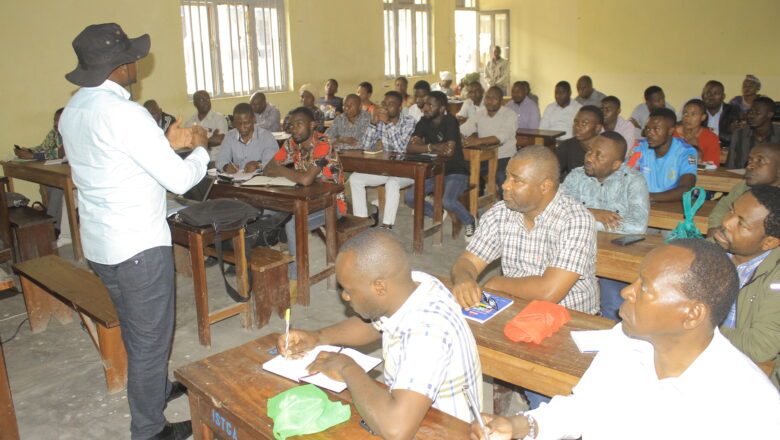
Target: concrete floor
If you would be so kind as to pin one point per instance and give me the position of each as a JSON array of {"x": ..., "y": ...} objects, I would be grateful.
[{"x": 58, "y": 384}]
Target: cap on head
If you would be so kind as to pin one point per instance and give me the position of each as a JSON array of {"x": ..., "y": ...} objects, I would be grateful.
[
  {"x": 445, "y": 76},
  {"x": 100, "y": 49}
]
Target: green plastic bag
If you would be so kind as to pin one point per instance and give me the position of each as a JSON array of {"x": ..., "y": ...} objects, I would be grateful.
[
  {"x": 686, "y": 228},
  {"x": 305, "y": 409}
]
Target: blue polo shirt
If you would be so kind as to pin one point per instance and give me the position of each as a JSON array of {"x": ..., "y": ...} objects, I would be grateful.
[{"x": 663, "y": 173}]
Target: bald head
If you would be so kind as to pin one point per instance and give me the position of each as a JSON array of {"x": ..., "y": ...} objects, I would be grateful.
[
  {"x": 543, "y": 162},
  {"x": 378, "y": 254}
]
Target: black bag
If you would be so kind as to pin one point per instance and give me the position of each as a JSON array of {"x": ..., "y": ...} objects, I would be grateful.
[
  {"x": 267, "y": 230},
  {"x": 16, "y": 200},
  {"x": 222, "y": 215}
]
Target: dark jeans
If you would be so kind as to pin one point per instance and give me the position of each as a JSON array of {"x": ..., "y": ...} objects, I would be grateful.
[
  {"x": 142, "y": 289},
  {"x": 54, "y": 205},
  {"x": 454, "y": 185},
  {"x": 500, "y": 173}
]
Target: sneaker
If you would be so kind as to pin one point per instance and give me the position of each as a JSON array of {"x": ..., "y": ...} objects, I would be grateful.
[
  {"x": 63, "y": 241},
  {"x": 470, "y": 231}
]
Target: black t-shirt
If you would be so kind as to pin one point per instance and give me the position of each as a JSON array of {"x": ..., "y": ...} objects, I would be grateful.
[
  {"x": 447, "y": 130},
  {"x": 571, "y": 155}
]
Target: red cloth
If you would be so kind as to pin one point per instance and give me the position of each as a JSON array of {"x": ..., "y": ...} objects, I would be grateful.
[
  {"x": 709, "y": 146},
  {"x": 537, "y": 321}
]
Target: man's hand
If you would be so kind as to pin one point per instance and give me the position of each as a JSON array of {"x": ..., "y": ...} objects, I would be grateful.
[
  {"x": 610, "y": 220},
  {"x": 200, "y": 137},
  {"x": 379, "y": 114},
  {"x": 444, "y": 148},
  {"x": 179, "y": 137},
  {"x": 471, "y": 141},
  {"x": 216, "y": 138},
  {"x": 230, "y": 168},
  {"x": 24, "y": 153},
  {"x": 467, "y": 293},
  {"x": 497, "y": 427},
  {"x": 331, "y": 364},
  {"x": 301, "y": 342},
  {"x": 349, "y": 141},
  {"x": 251, "y": 167},
  {"x": 272, "y": 169},
  {"x": 416, "y": 140}
]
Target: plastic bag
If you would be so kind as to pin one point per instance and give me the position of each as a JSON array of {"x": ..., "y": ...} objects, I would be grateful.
[
  {"x": 305, "y": 409},
  {"x": 686, "y": 228}
]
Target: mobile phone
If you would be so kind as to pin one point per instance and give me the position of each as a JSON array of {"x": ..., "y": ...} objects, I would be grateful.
[
  {"x": 366, "y": 427},
  {"x": 627, "y": 240}
]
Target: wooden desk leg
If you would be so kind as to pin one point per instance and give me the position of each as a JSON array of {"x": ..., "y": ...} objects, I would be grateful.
[
  {"x": 491, "y": 189},
  {"x": 438, "y": 208},
  {"x": 73, "y": 219},
  {"x": 301, "y": 212},
  {"x": 474, "y": 176},
  {"x": 9, "y": 429},
  {"x": 242, "y": 279},
  {"x": 60, "y": 310},
  {"x": 330, "y": 238},
  {"x": 200, "y": 289},
  {"x": 200, "y": 430},
  {"x": 37, "y": 303},
  {"x": 419, "y": 214},
  {"x": 112, "y": 351}
]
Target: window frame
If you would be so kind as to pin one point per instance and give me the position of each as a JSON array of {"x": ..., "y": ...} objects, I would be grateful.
[{"x": 415, "y": 6}]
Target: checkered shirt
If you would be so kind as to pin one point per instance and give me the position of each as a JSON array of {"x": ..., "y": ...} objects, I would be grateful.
[
  {"x": 564, "y": 236},
  {"x": 428, "y": 348}
]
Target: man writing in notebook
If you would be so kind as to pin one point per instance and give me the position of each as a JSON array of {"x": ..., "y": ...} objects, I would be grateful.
[
  {"x": 428, "y": 349},
  {"x": 247, "y": 147}
]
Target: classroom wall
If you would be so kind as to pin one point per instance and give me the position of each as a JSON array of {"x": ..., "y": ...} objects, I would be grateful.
[
  {"x": 626, "y": 46},
  {"x": 327, "y": 38}
]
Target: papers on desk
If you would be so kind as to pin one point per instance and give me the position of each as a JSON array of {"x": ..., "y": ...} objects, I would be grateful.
[
  {"x": 295, "y": 369},
  {"x": 268, "y": 181},
  {"x": 281, "y": 135},
  {"x": 592, "y": 341},
  {"x": 740, "y": 171},
  {"x": 240, "y": 176},
  {"x": 56, "y": 161}
]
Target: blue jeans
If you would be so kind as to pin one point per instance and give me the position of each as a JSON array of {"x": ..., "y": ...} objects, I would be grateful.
[
  {"x": 454, "y": 185},
  {"x": 316, "y": 219},
  {"x": 142, "y": 290},
  {"x": 500, "y": 173},
  {"x": 610, "y": 297},
  {"x": 535, "y": 399}
]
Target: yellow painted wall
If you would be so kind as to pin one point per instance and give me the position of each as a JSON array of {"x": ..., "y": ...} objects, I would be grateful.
[
  {"x": 327, "y": 38},
  {"x": 627, "y": 45}
]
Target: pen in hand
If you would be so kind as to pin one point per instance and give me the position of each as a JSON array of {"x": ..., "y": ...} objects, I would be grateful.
[{"x": 475, "y": 412}]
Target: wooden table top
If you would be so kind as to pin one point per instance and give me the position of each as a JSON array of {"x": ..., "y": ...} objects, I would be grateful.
[
  {"x": 314, "y": 191},
  {"x": 235, "y": 382},
  {"x": 386, "y": 164},
  {"x": 622, "y": 262},
  {"x": 540, "y": 133},
  {"x": 666, "y": 215},
  {"x": 718, "y": 180},
  {"x": 38, "y": 166}
]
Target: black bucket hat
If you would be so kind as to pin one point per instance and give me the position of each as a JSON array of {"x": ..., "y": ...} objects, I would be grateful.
[{"x": 101, "y": 48}]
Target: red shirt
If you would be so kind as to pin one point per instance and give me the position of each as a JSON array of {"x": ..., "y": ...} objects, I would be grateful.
[{"x": 709, "y": 145}]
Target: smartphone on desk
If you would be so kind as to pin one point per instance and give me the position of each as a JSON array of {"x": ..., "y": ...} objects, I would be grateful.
[{"x": 627, "y": 240}]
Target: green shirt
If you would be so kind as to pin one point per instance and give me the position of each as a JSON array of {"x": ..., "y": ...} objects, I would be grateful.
[{"x": 49, "y": 148}]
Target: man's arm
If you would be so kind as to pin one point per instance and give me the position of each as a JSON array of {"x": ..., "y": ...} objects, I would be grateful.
[
  {"x": 551, "y": 286},
  {"x": 685, "y": 184},
  {"x": 353, "y": 332},
  {"x": 225, "y": 156},
  {"x": 464, "y": 276},
  {"x": 305, "y": 178}
]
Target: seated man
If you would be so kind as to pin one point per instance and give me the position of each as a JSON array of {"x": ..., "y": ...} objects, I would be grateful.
[
  {"x": 428, "y": 350},
  {"x": 662, "y": 372},
  {"x": 763, "y": 168},
  {"x": 348, "y": 127},
  {"x": 545, "y": 239},
  {"x": 667, "y": 162},
  {"x": 617, "y": 198},
  {"x": 313, "y": 159},
  {"x": 654, "y": 99},
  {"x": 588, "y": 123},
  {"x": 759, "y": 130},
  {"x": 421, "y": 92},
  {"x": 586, "y": 94},
  {"x": 474, "y": 103},
  {"x": 494, "y": 124},
  {"x": 437, "y": 132},
  {"x": 531, "y": 95},
  {"x": 750, "y": 233},
  {"x": 559, "y": 115},
  {"x": 247, "y": 147},
  {"x": 527, "y": 109},
  {"x": 364, "y": 92},
  {"x": 267, "y": 116},
  {"x": 215, "y": 123},
  {"x": 330, "y": 104},
  {"x": 722, "y": 118},
  {"x": 610, "y": 107},
  {"x": 444, "y": 85},
  {"x": 390, "y": 131},
  {"x": 163, "y": 120}
]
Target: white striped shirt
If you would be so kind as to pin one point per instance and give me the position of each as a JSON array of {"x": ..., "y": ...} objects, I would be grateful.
[{"x": 428, "y": 348}]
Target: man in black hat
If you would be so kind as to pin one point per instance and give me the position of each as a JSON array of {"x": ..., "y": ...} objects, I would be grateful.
[{"x": 122, "y": 164}]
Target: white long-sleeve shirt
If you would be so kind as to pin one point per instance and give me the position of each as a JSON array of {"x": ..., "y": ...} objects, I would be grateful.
[
  {"x": 122, "y": 164},
  {"x": 560, "y": 118},
  {"x": 502, "y": 125},
  {"x": 620, "y": 397}
]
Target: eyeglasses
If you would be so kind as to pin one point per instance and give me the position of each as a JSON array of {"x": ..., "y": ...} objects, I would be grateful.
[{"x": 488, "y": 301}]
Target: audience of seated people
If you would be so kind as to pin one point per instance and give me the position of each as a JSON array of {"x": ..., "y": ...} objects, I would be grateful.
[
  {"x": 586, "y": 94},
  {"x": 559, "y": 115},
  {"x": 692, "y": 129},
  {"x": 588, "y": 123},
  {"x": 445, "y": 84},
  {"x": 308, "y": 99},
  {"x": 348, "y": 127},
  {"x": 759, "y": 129},
  {"x": 330, "y": 104},
  {"x": 364, "y": 91},
  {"x": 473, "y": 103},
  {"x": 750, "y": 88},
  {"x": 163, "y": 120},
  {"x": 654, "y": 99},
  {"x": 527, "y": 109},
  {"x": 267, "y": 116},
  {"x": 610, "y": 107},
  {"x": 215, "y": 123},
  {"x": 247, "y": 146}
]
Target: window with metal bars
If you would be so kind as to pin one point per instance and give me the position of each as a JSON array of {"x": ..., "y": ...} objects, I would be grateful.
[
  {"x": 407, "y": 37},
  {"x": 234, "y": 48}
]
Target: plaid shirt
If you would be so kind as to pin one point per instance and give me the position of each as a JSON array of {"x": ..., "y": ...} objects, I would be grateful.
[
  {"x": 564, "y": 236},
  {"x": 394, "y": 137},
  {"x": 342, "y": 128},
  {"x": 428, "y": 348}
]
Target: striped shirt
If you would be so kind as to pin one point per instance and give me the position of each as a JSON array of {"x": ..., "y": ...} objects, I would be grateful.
[
  {"x": 394, "y": 137},
  {"x": 428, "y": 348},
  {"x": 342, "y": 128},
  {"x": 564, "y": 236}
]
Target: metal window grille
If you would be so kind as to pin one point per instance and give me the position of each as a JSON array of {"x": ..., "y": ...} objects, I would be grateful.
[
  {"x": 407, "y": 37},
  {"x": 234, "y": 48}
]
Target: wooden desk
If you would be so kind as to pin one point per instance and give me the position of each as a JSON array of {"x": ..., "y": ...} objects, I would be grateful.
[
  {"x": 537, "y": 137},
  {"x": 52, "y": 175},
  {"x": 622, "y": 262},
  {"x": 300, "y": 201},
  {"x": 9, "y": 429},
  {"x": 550, "y": 368},
  {"x": 666, "y": 215},
  {"x": 382, "y": 164},
  {"x": 229, "y": 392},
  {"x": 718, "y": 180},
  {"x": 475, "y": 155}
]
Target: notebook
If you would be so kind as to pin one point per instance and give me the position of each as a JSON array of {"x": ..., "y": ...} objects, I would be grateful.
[
  {"x": 484, "y": 311},
  {"x": 198, "y": 193},
  {"x": 295, "y": 369},
  {"x": 268, "y": 181}
]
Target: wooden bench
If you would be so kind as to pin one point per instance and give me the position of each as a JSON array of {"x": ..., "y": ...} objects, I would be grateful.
[
  {"x": 53, "y": 286},
  {"x": 270, "y": 285}
]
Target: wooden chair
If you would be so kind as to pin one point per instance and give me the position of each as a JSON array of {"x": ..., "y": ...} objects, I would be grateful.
[
  {"x": 347, "y": 227},
  {"x": 53, "y": 287},
  {"x": 270, "y": 285}
]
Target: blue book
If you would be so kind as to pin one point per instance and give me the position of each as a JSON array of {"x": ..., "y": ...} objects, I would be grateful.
[{"x": 490, "y": 306}]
